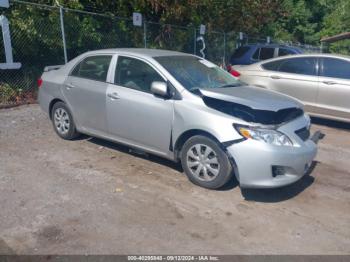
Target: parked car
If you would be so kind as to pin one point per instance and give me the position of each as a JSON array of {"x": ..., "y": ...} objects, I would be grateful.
[
  {"x": 183, "y": 108},
  {"x": 249, "y": 54},
  {"x": 320, "y": 81}
]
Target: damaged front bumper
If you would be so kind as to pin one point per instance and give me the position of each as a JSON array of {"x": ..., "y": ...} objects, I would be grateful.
[{"x": 261, "y": 165}]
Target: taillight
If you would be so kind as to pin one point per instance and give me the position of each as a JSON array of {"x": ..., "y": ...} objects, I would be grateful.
[
  {"x": 234, "y": 73},
  {"x": 40, "y": 82}
]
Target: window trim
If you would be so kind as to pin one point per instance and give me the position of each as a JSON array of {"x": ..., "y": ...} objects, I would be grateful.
[
  {"x": 116, "y": 58},
  {"x": 87, "y": 56}
]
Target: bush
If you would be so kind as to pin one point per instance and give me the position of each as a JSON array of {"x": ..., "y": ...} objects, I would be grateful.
[{"x": 8, "y": 94}]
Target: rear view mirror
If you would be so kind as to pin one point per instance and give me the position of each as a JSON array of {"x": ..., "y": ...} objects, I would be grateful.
[{"x": 159, "y": 88}]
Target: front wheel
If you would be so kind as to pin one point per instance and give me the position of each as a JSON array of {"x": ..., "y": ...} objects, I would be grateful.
[{"x": 205, "y": 163}]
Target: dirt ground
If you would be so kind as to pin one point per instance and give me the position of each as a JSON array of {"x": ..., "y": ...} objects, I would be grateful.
[{"x": 93, "y": 197}]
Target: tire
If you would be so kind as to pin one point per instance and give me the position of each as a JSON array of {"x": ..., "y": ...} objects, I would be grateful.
[
  {"x": 211, "y": 168},
  {"x": 63, "y": 122}
]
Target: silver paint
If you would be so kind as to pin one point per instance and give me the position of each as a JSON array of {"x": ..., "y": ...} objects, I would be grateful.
[
  {"x": 154, "y": 124},
  {"x": 324, "y": 97}
]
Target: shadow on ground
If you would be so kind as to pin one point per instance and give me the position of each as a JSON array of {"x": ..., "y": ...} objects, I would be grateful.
[
  {"x": 258, "y": 195},
  {"x": 159, "y": 160},
  {"x": 136, "y": 153},
  {"x": 274, "y": 195},
  {"x": 330, "y": 123}
]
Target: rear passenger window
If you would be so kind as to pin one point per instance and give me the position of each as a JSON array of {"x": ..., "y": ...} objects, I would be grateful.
[
  {"x": 284, "y": 51},
  {"x": 240, "y": 52},
  {"x": 336, "y": 68},
  {"x": 302, "y": 65},
  {"x": 135, "y": 74},
  {"x": 256, "y": 54},
  {"x": 273, "y": 66},
  {"x": 264, "y": 53},
  {"x": 93, "y": 67}
]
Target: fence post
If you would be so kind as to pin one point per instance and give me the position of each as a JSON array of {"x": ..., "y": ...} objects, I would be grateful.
[
  {"x": 63, "y": 35},
  {"x": 145, "y": 34},
  {"x": 195, "y": 42},
  {"x": 224, "y": 49}
]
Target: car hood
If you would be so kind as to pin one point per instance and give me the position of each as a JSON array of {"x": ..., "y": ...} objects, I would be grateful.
[{"x": 253, "y": 97}]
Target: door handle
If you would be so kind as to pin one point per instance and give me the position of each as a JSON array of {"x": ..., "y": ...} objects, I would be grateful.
[
  {"x": 329, "y": 82},
  {"x": 113, "y": 95},
  {"x": 275, "y": 77},
  {"x": 69, "y": 86}
]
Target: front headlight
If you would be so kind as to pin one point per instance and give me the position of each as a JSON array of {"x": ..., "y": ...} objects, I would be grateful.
[{"x": 268, "y": 136}]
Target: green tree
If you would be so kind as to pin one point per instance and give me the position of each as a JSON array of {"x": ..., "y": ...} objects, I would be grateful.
[{"x": 336, "y": 22}]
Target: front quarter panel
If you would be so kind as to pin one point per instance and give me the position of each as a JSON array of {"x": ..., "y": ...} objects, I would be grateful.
[{"x": 193, "y": 114}]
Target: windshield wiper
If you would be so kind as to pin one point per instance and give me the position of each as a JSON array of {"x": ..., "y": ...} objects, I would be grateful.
[
  {"x": 228, "y": 85},
  {"x": 194, "y": 89}
]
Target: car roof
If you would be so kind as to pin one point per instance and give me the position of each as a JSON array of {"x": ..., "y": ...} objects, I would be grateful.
[
  {"x": 142, "y": 52},
  {"x": 272, "y": 45},
  {"x": 306, "y": 55},
  {"x": 257, "y": 65}
]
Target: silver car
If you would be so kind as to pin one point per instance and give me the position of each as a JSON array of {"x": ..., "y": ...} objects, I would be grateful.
[
  {"x": 320, "y": 81},
  {"x": 184, "y": 108}
]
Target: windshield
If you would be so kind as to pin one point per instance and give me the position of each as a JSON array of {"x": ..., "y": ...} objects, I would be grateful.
[{"x": 196, "y": 73}]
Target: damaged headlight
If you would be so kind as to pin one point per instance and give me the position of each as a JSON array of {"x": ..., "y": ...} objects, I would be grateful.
[{"x": 268, "y": 136}]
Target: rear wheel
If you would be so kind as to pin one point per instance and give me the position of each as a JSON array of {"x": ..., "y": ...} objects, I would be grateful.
[
  {"x": 62, "y": 121},
  {"x": 205, "y": 163}
]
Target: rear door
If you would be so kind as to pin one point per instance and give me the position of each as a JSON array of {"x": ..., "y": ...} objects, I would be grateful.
[
  {"x": 334, "y": 92},
  {"x": 85, "y": 92},
  {"x": 136, "y": 116},
  {"x": 297, "y": 77}
]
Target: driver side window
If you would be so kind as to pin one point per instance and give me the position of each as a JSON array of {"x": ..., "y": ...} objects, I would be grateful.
[{"x": 135, "y": 74}]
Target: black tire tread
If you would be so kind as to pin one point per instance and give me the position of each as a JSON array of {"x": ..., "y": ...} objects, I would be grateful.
[{"x": 226, "y": 170}]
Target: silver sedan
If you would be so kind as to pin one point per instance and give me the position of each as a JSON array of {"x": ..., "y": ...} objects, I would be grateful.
[
  {"x": 320, "y": 81},
  {"x": 183, "y": 108}
]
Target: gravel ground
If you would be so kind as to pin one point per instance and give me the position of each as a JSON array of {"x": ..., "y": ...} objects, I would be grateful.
[{"x": 93, "y": 197}]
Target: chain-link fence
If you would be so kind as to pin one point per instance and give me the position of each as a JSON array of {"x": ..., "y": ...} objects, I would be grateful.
[
  {"x": 35, "y": 37},
  {"x": 43, "y": 35}
]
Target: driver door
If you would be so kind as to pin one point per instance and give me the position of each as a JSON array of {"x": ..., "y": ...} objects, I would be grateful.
[{"x": 134, "y": 115}]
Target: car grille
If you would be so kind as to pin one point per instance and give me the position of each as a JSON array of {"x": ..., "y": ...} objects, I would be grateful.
[{"x": 303, "y": 133}]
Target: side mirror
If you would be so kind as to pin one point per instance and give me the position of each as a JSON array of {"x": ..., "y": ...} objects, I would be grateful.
[{"x": 159, "y": 88}]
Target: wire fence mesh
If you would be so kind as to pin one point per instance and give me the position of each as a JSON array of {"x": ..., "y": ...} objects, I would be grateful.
[
  {"x": 87, "y": 31},
  {"x": 171, "y": 37},
  {"x": 37, "y": 41},
  {"x": 29, "y": 48}
]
